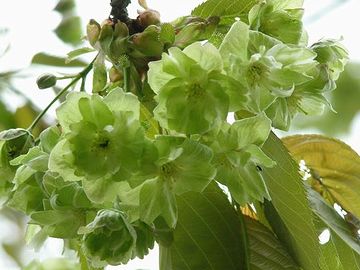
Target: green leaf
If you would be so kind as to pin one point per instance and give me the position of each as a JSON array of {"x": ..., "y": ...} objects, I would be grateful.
[
  {"x": 207, "y": 235},
  {"x": 71, "y": 56},
  {"x": 70, "y": 30},
  {"x": 332, "y": 219},
  {"x": 267, "y": 252},
  {"x": 348, "y": 257},
  {"x": 64, "y": 6},
  {"x": 336, "y": 253},
  {"x": 286, "y": 4},
  {"x": 289, "y": 198},
  {"x": 56, "y": 61},
  {"x": 334, "y": 166},
  {"x": 224, "y": 8}
]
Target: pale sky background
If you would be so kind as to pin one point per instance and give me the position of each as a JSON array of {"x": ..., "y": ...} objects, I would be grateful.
[{"x": 31, "y": 24}]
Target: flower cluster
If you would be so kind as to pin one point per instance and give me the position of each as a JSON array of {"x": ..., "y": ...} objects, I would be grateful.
[{"x": 110, "y": 171}]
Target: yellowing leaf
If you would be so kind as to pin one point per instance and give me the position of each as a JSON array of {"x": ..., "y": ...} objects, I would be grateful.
[{"x": 334, "y": 166}]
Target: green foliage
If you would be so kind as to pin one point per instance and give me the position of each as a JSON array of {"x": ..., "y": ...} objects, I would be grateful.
[
  {"x": 294, "y": 227},
  {"x": 266, "y": 250},
  {"x": 207, "y": 235},
  {"x": 50, "y": 60},
  {"x": 333, "y": 167},
  {"x": 69, "y": 30},
  {"x": 142, "y": 157}
]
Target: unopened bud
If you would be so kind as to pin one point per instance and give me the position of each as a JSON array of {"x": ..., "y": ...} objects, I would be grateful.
[
  {"x": 148, "y": 42},
  {"x": 93, "y": 31},
  {"x": 115, "y": 75},
  {"x": 46, "y": 81},
  {"x": 149, "y": 17},
  {"x": 121, "y": 30},
  {"x": 196, "y": 31},
  {"x": 106, "y": 37},
  {"x": 167, "y": 33}
]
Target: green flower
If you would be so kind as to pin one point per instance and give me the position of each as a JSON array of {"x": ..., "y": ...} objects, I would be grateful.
[
  {"x": 238, "y": 157},
  {"x": 270, "y": 68},
  {"x": 66, "y": 207},
  {"x": 145, "y": 239},
  {"x": 109, "y": 238},
  {"x": 282, "y": 80},
  {"x": 183, "y": 165},
  {"x": 309, "y": 98},
  {"x": 13, "y": 143},
  {"x": 192, "y": 93},
  {"x": 279, "y": 19},
  {"x": 104, "y": 142}
]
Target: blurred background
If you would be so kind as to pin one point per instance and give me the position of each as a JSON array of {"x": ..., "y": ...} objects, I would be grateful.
[{"x": 36, "y": 28}]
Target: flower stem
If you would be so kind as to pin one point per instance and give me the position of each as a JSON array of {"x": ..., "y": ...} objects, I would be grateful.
[
  {"x": 126, "y": 79},
  {"x": 81, "y": 75}
]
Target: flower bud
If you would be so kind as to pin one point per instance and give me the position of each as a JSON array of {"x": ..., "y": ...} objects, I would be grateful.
[
  {"x": 93, "y": 31},
  {"x": 18, "y": 141},
  {"x": 148, "y": 42},
  {"x": 115, "y": 75},
  {"x": 149, "y": 17},
  {"x": 121, "y": 30},
  {"x": 109, "y": 238},
  {"x": 106, "y": 36},
  {"x": 46, "y": 81},
  {"x": 196, "y": 31},
  {"x": 167, "y": 33}
]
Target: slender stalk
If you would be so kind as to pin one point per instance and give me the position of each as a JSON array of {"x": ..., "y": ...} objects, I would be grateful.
[
  {"x": 81, "y": 75},
  {"x": 126, "y": 79},
  {"x": 38, "y": 118},
  {"x": 66, "y": 77}
]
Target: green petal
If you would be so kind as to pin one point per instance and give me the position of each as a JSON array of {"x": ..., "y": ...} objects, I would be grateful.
[
  {"x": 193, "y": 109},
  {"x": 333, "y": 55},
  {"x": 61, "y": 161},
  {"x": 157, "y": 199},
  {"x": 206, "y": 55},
  {"x": 253, "y": 130},
  {"x": 157, "y": 78},
  {"x": 104, "y": 189},
  {"x": 280, "y": 114},
  {"x": 235, "y": 43},
  {"x": 95, "y": 111},
  {"x": 68, "y": 112},
  {"x": 194, "y": 171},
  {"x": 49, "y": 138},
  {"x": 119, "y": 101}
]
